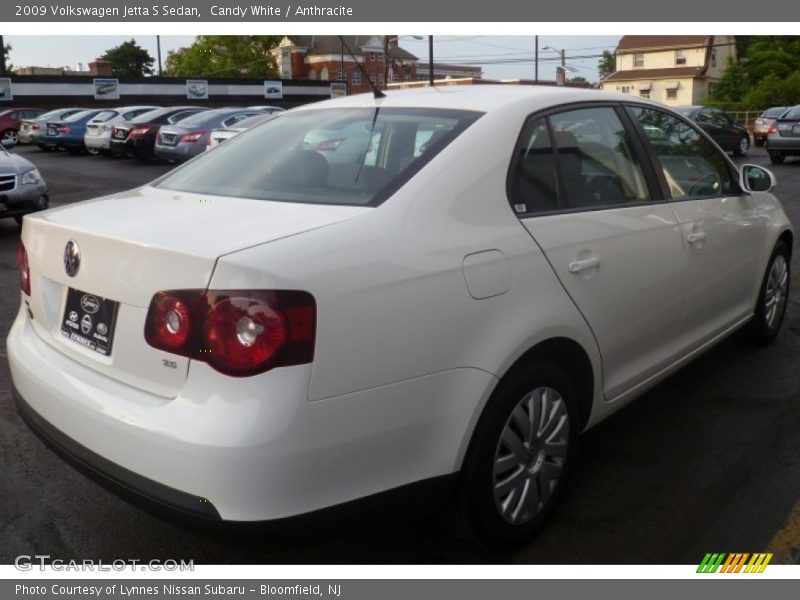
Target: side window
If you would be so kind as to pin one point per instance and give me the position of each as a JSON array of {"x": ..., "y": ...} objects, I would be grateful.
[
  {"x": 532, "y": 184},
  {"x": 692, "y": 166},
  {"x": 597, "y": 163}
]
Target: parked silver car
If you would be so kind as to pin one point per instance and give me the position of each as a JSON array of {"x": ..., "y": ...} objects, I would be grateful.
[
  {"x": 218, "y": 136},
  {"x": 22, "y": 188},
  {"x": 30, "y": 130},
  {"x": 97, "y": 138},
  {"x": 187, "y": 139},
  {"x": 764, "y": 122}
]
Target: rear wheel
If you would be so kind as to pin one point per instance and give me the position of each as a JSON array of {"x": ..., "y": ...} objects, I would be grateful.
[
  {"x": 758, "y": 142},
  {"x": 777, "y": 157},
  {"x": 9, "y": 137},
  {"x": 518, "y": 458},
  {"x": 772, "y": 298}
]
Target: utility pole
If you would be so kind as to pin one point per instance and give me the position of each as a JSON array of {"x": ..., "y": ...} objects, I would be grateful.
[
  {"x": 536, "y": 60},
  {"x": 430, "y": 60},
  {"x": 385, "y": 61},
  {"x": 158, "y": 48},
  {"x": 2, "y": 56}
]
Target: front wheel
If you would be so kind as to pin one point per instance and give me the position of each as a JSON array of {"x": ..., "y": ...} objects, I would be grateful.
[
  {"x": 518, "y": 459},
  {"x": 772, "y": 298}
]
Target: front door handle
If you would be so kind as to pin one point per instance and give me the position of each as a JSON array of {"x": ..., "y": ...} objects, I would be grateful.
[
  {"x": 576, "y": 266},
  {"x": 696, "y": 237}
]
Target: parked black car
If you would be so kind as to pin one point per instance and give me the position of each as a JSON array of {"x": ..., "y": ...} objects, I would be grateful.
[
  {"x": 784, "y": 136},
  {"x": 730, "y": 136},
  {"x": 137, "y": 137}
]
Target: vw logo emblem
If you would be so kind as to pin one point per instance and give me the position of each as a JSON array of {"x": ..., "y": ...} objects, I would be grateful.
[{"x": 72, "y": 258}]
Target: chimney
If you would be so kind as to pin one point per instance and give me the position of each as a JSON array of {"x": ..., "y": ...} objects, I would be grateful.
[{"x": 100, "y": 68}]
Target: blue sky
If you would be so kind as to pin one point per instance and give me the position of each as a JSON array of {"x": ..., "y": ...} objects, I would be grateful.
[{"x": 512, "y": 56}]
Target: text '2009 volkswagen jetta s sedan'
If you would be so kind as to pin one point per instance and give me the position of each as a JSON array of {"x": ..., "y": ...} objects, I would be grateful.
[{"x": 266, "y": 331}]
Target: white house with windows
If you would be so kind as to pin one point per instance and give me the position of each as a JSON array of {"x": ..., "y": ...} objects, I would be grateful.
[{"x": 673, "y": 69}]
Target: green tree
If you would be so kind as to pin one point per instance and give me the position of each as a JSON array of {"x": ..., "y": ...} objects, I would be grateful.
[
  {"x": 767, "y": 75},
  {"x": 225, "y": 56},
  {"x": 7, "y": 67},
  {"x": 607, "y": 64},
  {"x": 129, "y": 60}
]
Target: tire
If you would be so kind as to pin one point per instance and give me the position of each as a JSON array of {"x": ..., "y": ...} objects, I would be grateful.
[
  {"x": 743, "y": 147},
  {"x": 9, "y": 137},
  {"x": 777, "y": 157},
  {"x": 767, "y": 318},
  {"x": 93, "y": 151},
  {"x": 493, "y": 517},
  {"x": 18, "y": 219},
  {"x": 758, "y": 142}
]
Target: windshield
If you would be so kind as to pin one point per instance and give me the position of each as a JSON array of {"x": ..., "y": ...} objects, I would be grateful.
[{"x": 348, "y": 156}]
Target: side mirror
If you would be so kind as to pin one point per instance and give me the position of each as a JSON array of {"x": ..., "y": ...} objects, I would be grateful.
[{"x": 753, "y": 178}]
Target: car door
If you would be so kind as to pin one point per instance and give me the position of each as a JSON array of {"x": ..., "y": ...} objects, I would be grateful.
[
  {"x": 712, "y": 126},
  {"x": 592, "y": 205},
  {"x": 720, "y": 227}
]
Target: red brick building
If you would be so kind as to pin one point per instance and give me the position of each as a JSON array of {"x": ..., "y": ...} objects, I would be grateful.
[{"x": 326, "y": 58}]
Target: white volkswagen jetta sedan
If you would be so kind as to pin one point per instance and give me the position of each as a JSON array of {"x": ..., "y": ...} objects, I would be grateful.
[{"x": 263, "y": 333}]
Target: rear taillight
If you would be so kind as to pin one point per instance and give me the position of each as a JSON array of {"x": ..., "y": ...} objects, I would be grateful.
[
  {"x": 63, "y": 129},
  {"x": 24, "y": 269},
  {"x": 192, "y": 137},
  {"x": 773, "y": 128},
  {"x": 35, "y": 126},
  {"x": 329, "y": 144},
  {"x": 138, "y": 131},
  {"x": 239, "y": 332}
]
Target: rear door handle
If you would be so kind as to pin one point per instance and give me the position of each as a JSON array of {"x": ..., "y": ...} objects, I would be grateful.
[
  {"x": 696, "y": 237},
  {"x": 576, "y": 266}
]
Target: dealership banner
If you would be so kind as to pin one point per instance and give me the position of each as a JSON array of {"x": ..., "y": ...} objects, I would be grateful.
[
  {"x": 312, "y": 11},
  {"x": 397, "y": 589}
]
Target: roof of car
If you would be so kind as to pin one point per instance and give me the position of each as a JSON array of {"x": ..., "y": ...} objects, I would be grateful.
[{"x": 484, "y": 98}]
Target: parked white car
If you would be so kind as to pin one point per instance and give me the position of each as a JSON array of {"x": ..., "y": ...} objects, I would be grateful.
[
  {"x": 457, "y": 306},
  {"x": 97, "y": 138}
]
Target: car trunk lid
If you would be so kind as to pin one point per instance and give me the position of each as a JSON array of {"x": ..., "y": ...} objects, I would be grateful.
[{"x": 132, "y": 246}]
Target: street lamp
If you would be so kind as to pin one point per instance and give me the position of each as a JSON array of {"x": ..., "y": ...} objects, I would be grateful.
[{"x": 561, "y": 70}]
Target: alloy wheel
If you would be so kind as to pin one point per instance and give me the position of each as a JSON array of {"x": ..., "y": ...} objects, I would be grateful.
[
  {"x": 530, "y": 455},
  {"x": 776, "y": 291}
]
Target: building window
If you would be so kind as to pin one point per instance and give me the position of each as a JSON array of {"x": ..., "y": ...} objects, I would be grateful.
[
  {"x": 644, "y": 93},
  {"x": 312, "y": 74},
  {"x": 340, "y": 74},
  {"x": 406, "y": 76},
  {"x": 323, "y": 74},
  {"x": 680, "y": 58},
  {"x": 626, "y": 89},
  {"x": 638, "y": 60},
  {"x": 374, "y": 56},
  {"x": 672, "y": 94},
  {"x": 713, "y": 57},
  {"x": 356, "y": 77}
]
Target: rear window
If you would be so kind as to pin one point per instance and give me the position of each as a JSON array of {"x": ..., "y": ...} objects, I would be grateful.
[
  {"x": 774, "y": 113},
  {"x": 203, "y": 117},
  {"x": 104, "y": 116},
  {"x": 79, "y": 115},
  {"x": 686, "y": 111},
  {"x": 347, "y": 156},
  {"x": 150, "y": 115},
  {"x": 793, "y": 113}
]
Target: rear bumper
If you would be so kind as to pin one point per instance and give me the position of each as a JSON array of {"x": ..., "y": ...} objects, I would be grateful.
[
  {"x": 245, "y": 449},
  {"x": 97, "y": 142},
  {"x": 119, "y": 479},
  {"x": 786, "y": 145},
  {"x": 179, "y": 152}
]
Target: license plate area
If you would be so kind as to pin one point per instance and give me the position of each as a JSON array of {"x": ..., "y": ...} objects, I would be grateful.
[
  {"x": 796, "y": 130},
  {"x": 119, "y": 134},
  {"x": 88, "y": 320}
]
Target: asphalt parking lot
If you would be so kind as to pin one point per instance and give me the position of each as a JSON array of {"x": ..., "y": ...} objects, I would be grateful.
[{"x": 708, "y": 461}]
